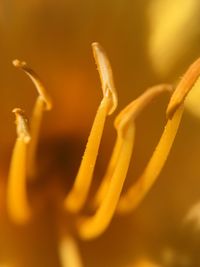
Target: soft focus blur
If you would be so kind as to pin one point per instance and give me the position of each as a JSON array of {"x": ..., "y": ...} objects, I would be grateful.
[{"x": 148, "y": 42}]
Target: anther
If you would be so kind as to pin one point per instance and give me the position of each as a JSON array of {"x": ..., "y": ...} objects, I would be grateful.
[
  {"x": 106, "y": 75},
  {"x": 36, "y": 80}
]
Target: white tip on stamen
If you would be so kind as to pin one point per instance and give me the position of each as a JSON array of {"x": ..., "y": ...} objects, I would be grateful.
[
  {"x": 106, "y": 75},
  {"x": 22, "y": 125}
]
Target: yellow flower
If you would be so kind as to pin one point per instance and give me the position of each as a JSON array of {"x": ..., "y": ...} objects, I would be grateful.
[
  {"x": 55, "y": 36},
  {"x": 23, "y": 163},
  {"x": 108, "y": 199}
]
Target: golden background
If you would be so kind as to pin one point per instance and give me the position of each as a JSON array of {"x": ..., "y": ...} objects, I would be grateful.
[{"x": 55, "y": 38}]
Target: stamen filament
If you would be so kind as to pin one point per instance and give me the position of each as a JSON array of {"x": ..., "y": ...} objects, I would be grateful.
[
  {"x": 43, "y": 103},
  {"x": 93, "y": 226},
  {"x": 17, "y": 203},
  {"x": 77, "y": 196},
  {"x": 69, "y": 253},
  {"x": 109, "y": 172},
  {"x": 138, "y": 191},
  {"x": 184, "y": 87},
  {"x": 35, "y": 125},
  {"x": 130, "y": 112}
]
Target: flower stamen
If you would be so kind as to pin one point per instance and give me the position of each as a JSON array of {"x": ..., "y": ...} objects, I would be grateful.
[
  {"x": 138, "y": 191},
  {"x": 132, "y": 110},
  {"x": 77, "y": 196},
  {"x": 42, "y": 103},
  {"x": 94, "y": 226},
  {"x": 36, "y": 80},
  {"x": 17, "y": 203}
]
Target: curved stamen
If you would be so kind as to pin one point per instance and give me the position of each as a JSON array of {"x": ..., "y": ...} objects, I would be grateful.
[
  {"x": 130, "y": 112},
  {"x": 93, "y": 226},
  {"x": 77, "y": 196},
  {"x": 36, "y": 80},
  {"x": 138, "y": 191},
  {"x": 17, "y": 203},
  {"x": 43, "y": 103}
]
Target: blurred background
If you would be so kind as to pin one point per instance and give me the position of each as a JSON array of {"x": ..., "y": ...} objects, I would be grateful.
[{"x": 148, "y": 42}]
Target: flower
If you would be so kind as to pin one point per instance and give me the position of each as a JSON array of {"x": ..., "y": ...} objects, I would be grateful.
[
  {"x": 23, "y": 163},
  {"x": 107, "y": 199},
  {"x": 34, "y": 26}
]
